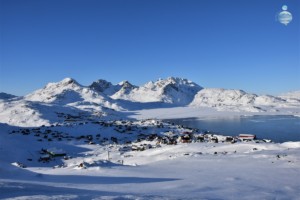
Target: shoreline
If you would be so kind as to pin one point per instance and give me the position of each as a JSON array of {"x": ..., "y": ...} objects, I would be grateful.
[{"x": 198, "y": 112}]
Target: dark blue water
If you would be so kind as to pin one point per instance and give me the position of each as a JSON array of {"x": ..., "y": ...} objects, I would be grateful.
[{"x": 278, "y": 128}]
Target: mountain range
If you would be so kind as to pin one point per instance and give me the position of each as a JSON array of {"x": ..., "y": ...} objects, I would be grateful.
[{"x": 102, "y": 98}]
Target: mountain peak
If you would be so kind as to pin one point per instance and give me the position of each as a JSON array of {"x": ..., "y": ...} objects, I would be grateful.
[
  {"x": 291, "y": 95},
  {"x": 175, "y": 79},
  {"x": 170, "y": 90},
  {"x": 53, "y": 92},
  {"x": 126, "y": 84},
  {"x": 67, "y": 81},
  {"x": 100, "y": 85}
]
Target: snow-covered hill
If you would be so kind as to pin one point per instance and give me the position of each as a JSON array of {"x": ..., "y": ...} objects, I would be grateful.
[
  {"x": 235, "y": 100},
  {"x": 23, "y": 113},
  {"x": 167, "y": 161},
  {"x": 69, "y": 92},
  {"x": 293, "y": 97},
  {"x": 171, "y": 90},
  {"x": 123, "y": 89},
  {"x": 56, "y": 102},
  {"x": 109, "y": 89}
]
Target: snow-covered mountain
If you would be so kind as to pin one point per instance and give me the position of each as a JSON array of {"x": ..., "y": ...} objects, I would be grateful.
[
  {"x": 45, "y": 106},
  {"x": 235, "y": 100},
  {"x": 70, "y": 92},
  {"x": 293, "y": 97},
  {"x": 171, "y": 90},
  {"x": 123, "y": 89},
  {"x": 101, "y": 85},
  {"x": 102, "y": 98},
  {"x": 109, "y": 89},
  {"x": 20, "y": 112},
  {"x": 5, "y": 96}
]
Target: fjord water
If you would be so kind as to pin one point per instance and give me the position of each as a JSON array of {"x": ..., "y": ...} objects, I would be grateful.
[{"x": 278, "y": 128}]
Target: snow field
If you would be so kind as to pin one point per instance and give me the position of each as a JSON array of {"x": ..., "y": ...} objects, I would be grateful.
[{"x": 94, "y": 125}]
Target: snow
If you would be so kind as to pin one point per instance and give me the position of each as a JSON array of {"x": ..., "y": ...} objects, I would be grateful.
[
  {"x": 164, "y": 98},
  {"x": 239, "y": 101},
  {"x": 21, "y": 113},
  {"x": 69, "y": 91},
  {"x": 100, "y": 126},
  {"x": 204, "y": 112},
  {"x": 293, "y": 97},
  {"x": 171, "y": 90},
  {"x": 204, "y": 170}
]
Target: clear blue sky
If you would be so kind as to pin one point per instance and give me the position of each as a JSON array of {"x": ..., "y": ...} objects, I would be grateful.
[{"x": 216, "y": 43}]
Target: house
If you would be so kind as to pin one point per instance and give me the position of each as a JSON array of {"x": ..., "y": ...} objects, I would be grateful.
[
  {"x": 56, "y": 152},
  {"x": 185, "y": 138},
  {"x": 199, "y": 137},
  {"x": 44, "y": 158},
  {"x": 246, "y": 137}
]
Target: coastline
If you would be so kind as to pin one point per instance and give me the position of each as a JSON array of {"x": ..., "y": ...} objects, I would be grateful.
[{"x": 200, "y": 112}]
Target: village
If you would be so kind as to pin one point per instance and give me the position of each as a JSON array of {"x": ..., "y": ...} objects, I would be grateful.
[{"x": 121, "y": 135}]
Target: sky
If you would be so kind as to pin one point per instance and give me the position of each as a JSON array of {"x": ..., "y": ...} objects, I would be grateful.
[{"x": 232, "y": 44}]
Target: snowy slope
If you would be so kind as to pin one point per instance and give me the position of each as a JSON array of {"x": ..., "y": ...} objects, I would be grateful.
[
  {"x": 216, "y": 96},
  {"x": 172, "y": 90},
  {"x": 236, "y": 100},
  {"x": 22, "y": 113},
  {"x": 294, "y": 94},
  {"x": 101, "y": 85},
  {"x": 108, "y": 158},
  {"x": 122, "y": 89},
  {"x": 198, "y": 170},
  {"x": 107, "y": 88},
  {"x": 42, "y": 107},
  {"x": 293, "y": 97},
  {"x": 69, "y": 92},
  {"x": 269, "y": 100}
]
